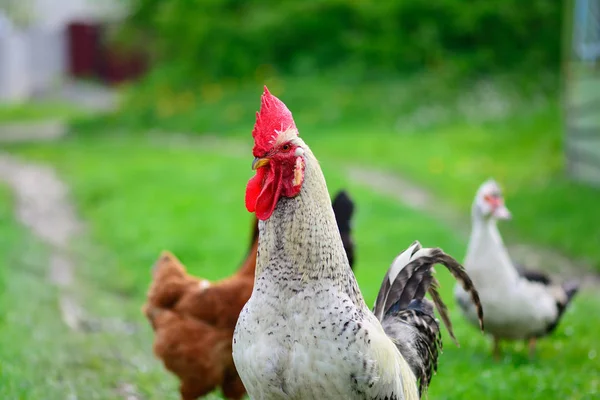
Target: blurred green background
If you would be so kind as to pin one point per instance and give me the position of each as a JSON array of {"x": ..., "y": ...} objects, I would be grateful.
[{"x": 426, "y": 98}]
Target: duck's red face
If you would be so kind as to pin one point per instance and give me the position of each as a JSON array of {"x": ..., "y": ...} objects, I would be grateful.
[
  {"x": 491, "y": 202},
  {"x": 279, "y": 159}
]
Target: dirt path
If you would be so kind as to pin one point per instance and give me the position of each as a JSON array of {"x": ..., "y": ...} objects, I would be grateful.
[
  {"x": 421, "y": 199},
  {"x": 43, "y": 206}
]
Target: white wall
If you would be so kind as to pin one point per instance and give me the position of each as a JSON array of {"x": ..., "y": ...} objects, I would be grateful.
[
  {"x": 14, "y": 60},
  {"x": 57, "y": 13},
  {"x": 34, "y": 58},
  {"x": 48, "y": 56}
]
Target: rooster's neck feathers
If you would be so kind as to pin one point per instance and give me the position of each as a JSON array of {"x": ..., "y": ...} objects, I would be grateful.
[{"x": 302, "y": 232}]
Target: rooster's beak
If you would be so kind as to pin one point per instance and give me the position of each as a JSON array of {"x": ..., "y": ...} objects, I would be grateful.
[{"x": 259, "y": 162}]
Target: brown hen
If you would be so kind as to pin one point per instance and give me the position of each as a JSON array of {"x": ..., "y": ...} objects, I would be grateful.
[{"x": 194, "y": 319}]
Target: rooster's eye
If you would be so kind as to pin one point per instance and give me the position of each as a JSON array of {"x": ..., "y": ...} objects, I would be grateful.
[{"x": 286, "y": 147}]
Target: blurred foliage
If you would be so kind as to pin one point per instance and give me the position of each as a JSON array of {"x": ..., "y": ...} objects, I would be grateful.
[
  {"x": 19, "y": 12},
  {"x": 326, "y": 101},
  {"x": 234, "y": 38}
]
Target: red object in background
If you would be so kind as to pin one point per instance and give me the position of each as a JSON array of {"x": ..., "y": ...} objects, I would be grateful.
[
  {"x": 84, "y": 40},
  {"x": 119, "y": 65},
  {"x": 92, "y": 56}
]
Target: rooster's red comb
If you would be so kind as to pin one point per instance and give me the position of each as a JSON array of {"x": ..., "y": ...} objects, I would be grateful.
[{"x": 273, "y": 118}]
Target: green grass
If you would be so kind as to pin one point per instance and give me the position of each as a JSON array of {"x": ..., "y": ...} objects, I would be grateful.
[
  {"x": 444, "y": 134},
  {"x": 523, "y": 153},
  {"x": 141, "y": 195},
  {"x": 28, "y": 112},
  {"x": 40, "y": 358}
]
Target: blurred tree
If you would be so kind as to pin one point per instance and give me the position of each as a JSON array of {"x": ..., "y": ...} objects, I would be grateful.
[
  {"x": 232, "y": 38},
  {"x": 18, "y": 11}
]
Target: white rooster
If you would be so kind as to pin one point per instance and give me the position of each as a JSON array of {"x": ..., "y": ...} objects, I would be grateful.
[
  {"x": 306, "y": 332},
  {"x": 522, "y": 304}
]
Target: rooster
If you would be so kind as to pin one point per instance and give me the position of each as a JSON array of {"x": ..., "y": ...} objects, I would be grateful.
[
  {"x": 306, "y": 332},
  {"x": 194, "y": 319}
]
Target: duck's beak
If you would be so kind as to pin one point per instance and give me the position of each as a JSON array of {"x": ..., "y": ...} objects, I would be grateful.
[
  {"x": 260, "y": 162},
  {"x": 501, "y": 212}
]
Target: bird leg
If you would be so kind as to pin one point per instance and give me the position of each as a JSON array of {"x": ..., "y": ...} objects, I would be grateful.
[
  {"x": 532, "y": 342},
  {"x": 496, "y": 349}
]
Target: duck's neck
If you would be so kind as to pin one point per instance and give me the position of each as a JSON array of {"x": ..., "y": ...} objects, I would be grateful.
[
  {"x": 300, "y": 243},
  {"x": 486, "y": 252},
  {"x": 484, "y": 231}
]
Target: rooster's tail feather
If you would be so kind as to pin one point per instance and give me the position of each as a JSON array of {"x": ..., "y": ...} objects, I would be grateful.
[{"x": 408, "y": 317}]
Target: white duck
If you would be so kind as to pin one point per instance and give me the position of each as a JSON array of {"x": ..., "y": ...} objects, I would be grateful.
[{"x": 518, "y": 305}]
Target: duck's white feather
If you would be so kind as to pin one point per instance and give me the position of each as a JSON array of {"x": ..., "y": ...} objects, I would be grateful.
[{"x": 515, "y": 308}]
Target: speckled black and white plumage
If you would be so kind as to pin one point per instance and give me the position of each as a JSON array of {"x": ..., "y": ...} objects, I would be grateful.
[
  {"x": 306, "y": 332},
  {"x": 408, "y": 317},
  {"x": 421, "y": 351}
]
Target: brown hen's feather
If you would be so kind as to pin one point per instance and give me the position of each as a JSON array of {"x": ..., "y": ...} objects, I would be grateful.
[{"x": 193, "y": 320}]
